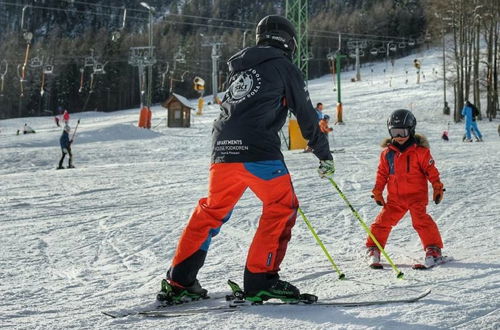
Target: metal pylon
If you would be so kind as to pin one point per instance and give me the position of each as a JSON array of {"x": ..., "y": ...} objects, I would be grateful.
[{"x": 297, "y": 13}]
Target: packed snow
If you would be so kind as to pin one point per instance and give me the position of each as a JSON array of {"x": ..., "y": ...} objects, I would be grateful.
[{"x": 100, "y": 237}]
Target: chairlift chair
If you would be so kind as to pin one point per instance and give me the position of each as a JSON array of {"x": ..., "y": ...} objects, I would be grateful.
[
  {"x": 98, "y": 68},
  {"x": 374, "y": 51},
  {"x": 35, "y": 62},
  {"x": 89, "y": 61},
  {"x": 48, "y": 69}
]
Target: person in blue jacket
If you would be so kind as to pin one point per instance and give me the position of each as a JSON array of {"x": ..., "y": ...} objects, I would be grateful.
[
  {"x": 470, "y": 113},
  {"x": 66, "y": 148},
  {"x": 319, "y": 111}
]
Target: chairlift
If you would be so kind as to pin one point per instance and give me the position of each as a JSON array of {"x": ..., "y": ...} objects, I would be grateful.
[
  {"x": 393, "y": 47},
  {"x": 89, "y": 61},
  {"x": 420, "y": 40},
  {"x": 98, "y": 68},
  {"x": 381, "y": 50},
  {"x": 183, "y": 74},
  {"x": 411, "y": 42},
  {"x": 48, "y": 69},
  {"x": 361, "y": 52},
  {"x": 35, "y": 62},
  {"x": 115, "y": 35},
  {"x": 352, "y": 54},
  {"x": 28, "y": 36},
  {"x": 180, "y": 58},
  {"x": 374, "y": 51},
  {"x": 2, "y": 75},
  {"x": 402, "y": 45}
]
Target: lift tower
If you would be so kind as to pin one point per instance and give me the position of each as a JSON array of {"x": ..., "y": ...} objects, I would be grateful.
[{"x": 297, "y": 13}]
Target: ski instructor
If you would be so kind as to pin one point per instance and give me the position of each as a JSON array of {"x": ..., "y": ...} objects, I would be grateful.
[{"x": 264, "y": 85}]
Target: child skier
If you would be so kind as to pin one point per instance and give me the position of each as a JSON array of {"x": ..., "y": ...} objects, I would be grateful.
[
  {"x": 405, "y": 166},
  {"x": 66, "y": 148}
]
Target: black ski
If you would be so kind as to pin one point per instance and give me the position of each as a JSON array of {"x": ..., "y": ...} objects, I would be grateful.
[
  {"x": 159, "y": 307},
  {"x": 236, "y": 306},
  {"x": 236, "y": 301}
]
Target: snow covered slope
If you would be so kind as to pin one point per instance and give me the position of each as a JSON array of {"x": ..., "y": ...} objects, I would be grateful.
[{"x": 101, "y": 236}]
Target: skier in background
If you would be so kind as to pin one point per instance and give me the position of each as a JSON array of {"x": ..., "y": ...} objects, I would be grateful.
[
  {"x": 323, "y": 120},
  {"x": 66, "y": 117},
  {"x": 263, "y": 85},
  {"x": 59, "y": 117},
  {"x": 66, "y": 148},
  {"x": 470, "y": 113},
  {"x": 405, "y": 166},
  {"x": 319, "y": 111},
  {"x": 26, "y": 130}
]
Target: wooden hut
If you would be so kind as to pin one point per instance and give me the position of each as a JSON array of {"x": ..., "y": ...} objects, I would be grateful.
[{"x": 179, "y": 111}]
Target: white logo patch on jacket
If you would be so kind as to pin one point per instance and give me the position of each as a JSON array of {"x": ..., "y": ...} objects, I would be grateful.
[{"x": 245, "y": 85}]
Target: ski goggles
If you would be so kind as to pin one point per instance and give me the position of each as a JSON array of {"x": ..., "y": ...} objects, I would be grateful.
[{"x": 399, "y": 132}]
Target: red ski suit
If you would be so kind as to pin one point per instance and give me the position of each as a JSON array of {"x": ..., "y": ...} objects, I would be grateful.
[{"x": 406, "y": 174}]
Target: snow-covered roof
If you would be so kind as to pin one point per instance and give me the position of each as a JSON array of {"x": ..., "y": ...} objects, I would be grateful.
[{"x": 183, "y": 100}]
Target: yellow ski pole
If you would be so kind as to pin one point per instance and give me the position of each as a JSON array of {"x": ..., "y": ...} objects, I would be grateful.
[
  {"x": 341, "y": 275},
  {"x": 399, "y": 274}
]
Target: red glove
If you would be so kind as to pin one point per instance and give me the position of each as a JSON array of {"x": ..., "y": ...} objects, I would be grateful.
[
  {"x": 437, "y": 196},
  {"x": 378, "y": 197}
]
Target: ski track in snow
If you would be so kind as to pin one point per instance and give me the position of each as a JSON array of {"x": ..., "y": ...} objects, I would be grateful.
[{"x": 100, "y": 237}]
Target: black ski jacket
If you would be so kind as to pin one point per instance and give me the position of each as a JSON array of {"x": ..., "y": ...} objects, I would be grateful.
[{"x": 263, "y": 85}]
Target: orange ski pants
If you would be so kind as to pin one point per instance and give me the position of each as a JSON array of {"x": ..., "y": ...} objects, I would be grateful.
[
  {"x": 271, "y": 183},
  {"x": 393, "y": 212}
]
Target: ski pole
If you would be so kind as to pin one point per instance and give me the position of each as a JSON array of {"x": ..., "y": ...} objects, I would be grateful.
[
  {"x": 74, "y": 132},
  {"x": 341, "y": 275},
  {"x": 399, "y": 274}
]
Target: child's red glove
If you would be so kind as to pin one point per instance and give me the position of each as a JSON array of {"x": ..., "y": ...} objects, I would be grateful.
[
  {"x": 437, "y": 196},
  {"x": 378, "y": 197}
]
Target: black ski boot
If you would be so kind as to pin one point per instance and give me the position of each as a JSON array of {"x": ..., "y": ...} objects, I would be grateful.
[
  {"x": 282, "y": 290},
  {"x": 171, "y": 293}
]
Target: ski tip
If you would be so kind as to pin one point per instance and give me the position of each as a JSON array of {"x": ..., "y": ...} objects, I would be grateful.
[
  {"x": 400, "y": 275},
  {"x": 342, "y": 276},
  {"x": 419, "y": 267},
  {"x": 109, "y": 314}
]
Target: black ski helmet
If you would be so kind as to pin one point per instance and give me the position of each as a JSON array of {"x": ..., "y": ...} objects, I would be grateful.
[
  {"x": 402, "y": 118},
  {"x": 276, "y": 31}
]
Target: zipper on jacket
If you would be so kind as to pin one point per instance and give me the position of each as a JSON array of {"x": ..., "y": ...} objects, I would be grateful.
[{"x": 408, "y": 164}]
